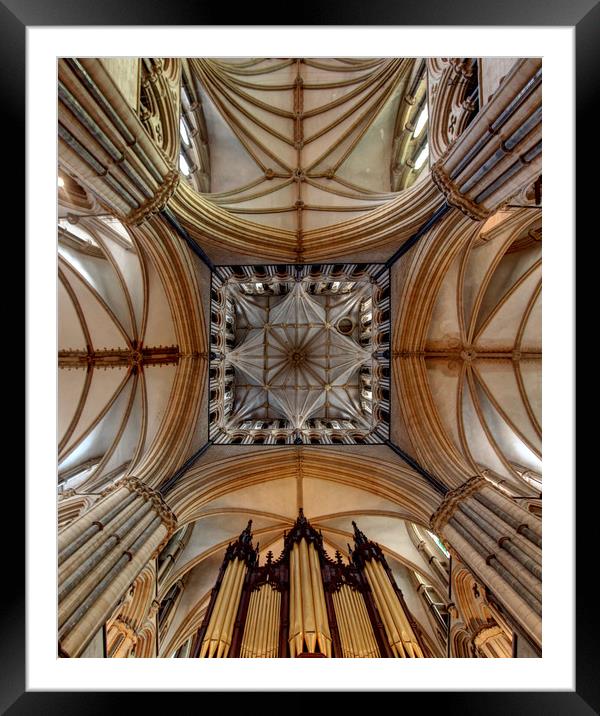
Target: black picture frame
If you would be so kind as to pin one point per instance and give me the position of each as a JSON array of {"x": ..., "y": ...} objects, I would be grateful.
[{"x": 584, "y": 15}]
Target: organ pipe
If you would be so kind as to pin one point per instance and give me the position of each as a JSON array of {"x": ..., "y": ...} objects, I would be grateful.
[
  {"x": 356, "y": 633},
  {"x": 261, "y": 633},
  {"x": 309, "y": 627},
  {"x": 218, "y": 634},
  {"x": 401, "y": 636},
  {"x": 305, "y": 604}
]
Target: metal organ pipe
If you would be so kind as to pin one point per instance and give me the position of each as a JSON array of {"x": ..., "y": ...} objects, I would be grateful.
[{"x": 304, "y": 604}]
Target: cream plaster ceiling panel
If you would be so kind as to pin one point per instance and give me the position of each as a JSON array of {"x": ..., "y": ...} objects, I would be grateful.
[
  {"x": 131, "y": 439},
  {"x": 277, "y": 494},
  {"x": 322, "y": 497},
  {"x": 511, "y": 267},
  {"x": 376, "y": 148},
  {"x": 70, "y": 332},
  {"x": 71, "y": 385},
  {"x": 505, "y": 434},
  {"x": 100, "y": 418},
  {"x": 230, "y": 165},
  {"x": 500, "y": 383},
  {"x": 104, "y": 388},
  {"x": 532, "y": 333},
  {"x": 499, "y": 330},
  {"x": 476, "y": 261},
  {"x": 532, "y": 384},
  {"x": 478, "y": 443},
  {"x": 445, "y": 327},
  {"x": 104, "y": 279},
  {"x": 101, "y": 323},
  {"x": 131, "y": 269},
  {"x": 444, "y": 382},
  {"x": 159, "y": 329},
  {"x": 159, "y": 383}
]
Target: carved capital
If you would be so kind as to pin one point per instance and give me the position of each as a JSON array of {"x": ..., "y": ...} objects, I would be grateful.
[
  {"x": 157, "y": 202},
  {"x": 452, "y": 499},
  {"x": 70, "y": 492},
  {"x": 488, "y": 631},
  {"x": 453, "y": 196},
  {"x": 160, "y": 506}
]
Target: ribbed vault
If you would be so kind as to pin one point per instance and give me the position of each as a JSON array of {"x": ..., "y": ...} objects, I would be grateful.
[
  {"x": 470, "y": 338},
  {"x": 128, "y": 345},
  {"x": 312, "y": 146},
  {"x": 308, "y": 166}
]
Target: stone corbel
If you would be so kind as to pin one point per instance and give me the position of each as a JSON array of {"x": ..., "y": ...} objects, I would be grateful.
[{"x": 153, "y": 611}]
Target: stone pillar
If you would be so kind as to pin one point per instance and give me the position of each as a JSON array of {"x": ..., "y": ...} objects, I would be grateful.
[
  {"x": 105, "y": 145},
  {"x": 501, "y": 153},
  {"x": 100, "y": 555},
  {"x": 500, "y": 543},
  {"x": 173, "y": 550},
  {"x": 432, "y": 560}
]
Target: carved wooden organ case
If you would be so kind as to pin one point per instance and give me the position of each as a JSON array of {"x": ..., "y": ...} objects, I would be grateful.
[{"x": 304, "y": 604}]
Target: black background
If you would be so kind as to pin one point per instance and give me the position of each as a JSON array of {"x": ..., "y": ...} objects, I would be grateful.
[{"x": 15, "y": 16}]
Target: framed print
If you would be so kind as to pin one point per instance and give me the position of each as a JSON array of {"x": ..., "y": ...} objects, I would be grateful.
[{"x": 295, "y": 297}]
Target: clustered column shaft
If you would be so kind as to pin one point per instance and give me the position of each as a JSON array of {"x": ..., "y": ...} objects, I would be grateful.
[
  {"x": 103, "y": 142},
  {"x": 501, "y": 154},
  {"x": 101, "y": 554},
  {"x": 501, "y": 543}
]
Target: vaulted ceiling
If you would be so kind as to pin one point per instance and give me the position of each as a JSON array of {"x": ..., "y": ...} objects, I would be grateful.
[{"x": 297, "y": 162}]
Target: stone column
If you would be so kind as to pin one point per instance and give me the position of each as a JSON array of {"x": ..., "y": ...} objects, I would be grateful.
[
  {"x": 105, "y": 145},
  {"x": 500, "y": 543},
  {"x": 100, "y": 555},
  {"x": 501, "y": 152},
  {"x": 173, "y": 549},
  {"x": 432, "y": 560}
]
